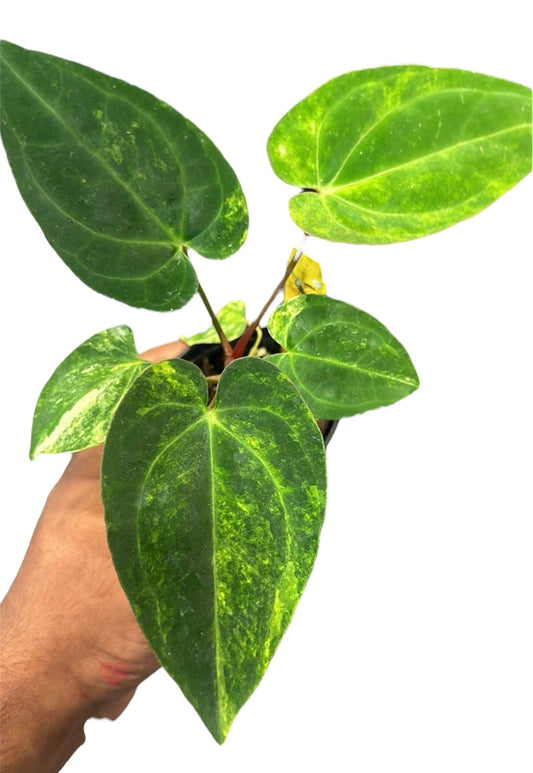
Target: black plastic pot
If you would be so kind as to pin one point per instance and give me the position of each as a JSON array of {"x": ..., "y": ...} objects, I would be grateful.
[{"x": 210, "y": 360}]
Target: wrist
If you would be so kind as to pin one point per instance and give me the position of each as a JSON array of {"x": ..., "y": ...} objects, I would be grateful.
[{"x": 42, "y": 708}]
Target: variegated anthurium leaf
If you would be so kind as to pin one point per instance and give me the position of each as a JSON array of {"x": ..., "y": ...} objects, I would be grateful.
[
  {"x": 120, "y": 182},
  {"x": 233, "y": 321},
  {"x": 395, "y": 153},
  {"x": 76, "y": 406},
  {"x": 213, "y": 517},
  {"x": 341, "y": 359}
]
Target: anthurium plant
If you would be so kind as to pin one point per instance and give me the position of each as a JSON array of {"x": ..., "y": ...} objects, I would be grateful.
[{"x": 214, "y": 487}]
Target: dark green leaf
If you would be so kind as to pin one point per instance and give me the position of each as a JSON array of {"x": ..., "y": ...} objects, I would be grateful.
[
  {"x": 76, "y": 406},
  {"x": 213, "y": 518},
  {"x": 342, "y": 360},
  {"x": 120, "y": 183},
  {"x": 395, "y": 153}
]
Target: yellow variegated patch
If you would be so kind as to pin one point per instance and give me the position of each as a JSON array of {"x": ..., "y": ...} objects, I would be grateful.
[
  {"x": 306, "y": 279},
  {"x": 77, "y": 403}
]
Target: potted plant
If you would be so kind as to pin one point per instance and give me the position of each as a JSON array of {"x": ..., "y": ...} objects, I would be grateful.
[{"x": 214, "y": 482}]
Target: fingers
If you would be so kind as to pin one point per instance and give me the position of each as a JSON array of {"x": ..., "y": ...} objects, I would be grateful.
[{"x": 164, "y": 352}]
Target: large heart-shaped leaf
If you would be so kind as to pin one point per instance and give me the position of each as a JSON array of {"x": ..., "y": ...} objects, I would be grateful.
[
  {"x": 77, "y": 403},
  {"x": 342, "y": 360},
  {"x": 395, "y": 153},
  {"x": 120, "y": 182},
  {"x": 213, "y": 518}
]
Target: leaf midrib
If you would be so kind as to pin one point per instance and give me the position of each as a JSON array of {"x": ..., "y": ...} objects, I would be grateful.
[
  {"x": 172, "y": 149},
  {"x": 168, "y": 233},
  {"x": 338, "y": 404},
  {"x": 100, "y": 235},
  {"x": 209, "y": 420},
  {"x": 334, "y": 190},
  {"x": 220, "y": 683},
  {"x": 84, "y": 226},
  {"x": 349, "y": 366},
  {"x": 396, "y": 108}
]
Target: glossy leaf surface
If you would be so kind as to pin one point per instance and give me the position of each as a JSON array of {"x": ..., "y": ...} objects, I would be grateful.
[
  {"x": 233, "y": 321},
  {"x": 76, "y": 406},
  {"x": 396, "y": 153},
  {"x": 213, "y": 518},
  {"x": 120, "y": 182},
  {"x": 342, "y": 360}
]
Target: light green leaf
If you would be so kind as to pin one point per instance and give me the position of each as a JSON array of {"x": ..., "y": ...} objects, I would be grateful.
[
  {"x": 395, "y": 153},
  {"x": 75, "y": 407},
  {"x": 233, "y": 320},
  {"x": 213, "y": 518},
  {"x": 342, "y": 360},
  {"x": 120, "y": 182}
]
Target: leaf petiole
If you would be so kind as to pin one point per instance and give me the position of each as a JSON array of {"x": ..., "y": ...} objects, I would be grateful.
[
  {"x": 226, "y": 346},
  {"x": 242, "y": 343}
]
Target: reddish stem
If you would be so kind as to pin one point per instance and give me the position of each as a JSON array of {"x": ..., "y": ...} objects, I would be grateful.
[{"x": 239, "y": 349}]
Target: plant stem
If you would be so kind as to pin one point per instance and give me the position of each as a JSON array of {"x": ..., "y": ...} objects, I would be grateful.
[
  {"x": 226, "y": 346},
  {"x": 242, "y": 343}
]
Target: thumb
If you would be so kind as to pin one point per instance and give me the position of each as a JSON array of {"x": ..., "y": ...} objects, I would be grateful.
[{"x": 164, "y": 352}]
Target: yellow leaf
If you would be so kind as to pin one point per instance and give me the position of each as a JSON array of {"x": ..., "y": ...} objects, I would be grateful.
[{"x": 306, "y": 279}]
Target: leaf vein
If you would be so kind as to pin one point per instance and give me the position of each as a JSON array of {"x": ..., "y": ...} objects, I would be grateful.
[
  {"x": 142, "y": 205},
  {"x": 397, "y": 108},
  {"x": 421, "y": 159}
]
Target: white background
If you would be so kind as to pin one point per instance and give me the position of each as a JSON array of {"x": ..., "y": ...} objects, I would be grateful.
[{"x": 411, "y": 649}]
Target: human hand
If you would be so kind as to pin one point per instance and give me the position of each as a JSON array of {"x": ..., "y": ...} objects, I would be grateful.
[{"x": 71, "y": 647}]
